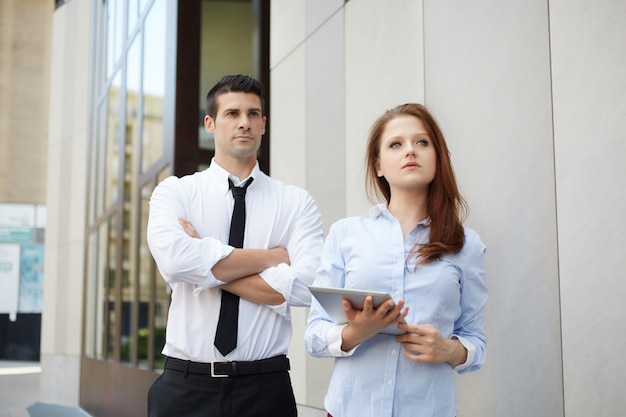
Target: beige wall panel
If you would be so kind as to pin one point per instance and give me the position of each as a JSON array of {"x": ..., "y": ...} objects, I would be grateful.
[
  {"x": 384, "y": 68},
  {"x": 589, "y": 81},
  {"x": 318, "y": 12},
  {"x": 288, "y": 121},
  {"x": 325, "y": 132},
  {"x": 325, "y": 119},
  {"x": 60, "y": 379},
  {"x": 287, "y": 28},
  {"x": 488, "y": 83},
  {"x": 67, "y": 154},
  {"x": 288, "y": 164}
]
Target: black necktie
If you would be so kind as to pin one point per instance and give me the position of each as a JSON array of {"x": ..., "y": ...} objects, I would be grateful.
[{"x": 226, "y": 333}]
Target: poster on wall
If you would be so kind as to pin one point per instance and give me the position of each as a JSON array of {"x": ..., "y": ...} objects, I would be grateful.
[
  {"x": 9, "y": 278},
  {"x": 31, "y": 279}
]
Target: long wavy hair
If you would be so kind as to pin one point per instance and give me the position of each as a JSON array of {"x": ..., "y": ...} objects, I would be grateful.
[{"x": 446, "y": 207}]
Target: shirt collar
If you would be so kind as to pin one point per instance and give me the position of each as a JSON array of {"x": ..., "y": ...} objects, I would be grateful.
[
  {"x": 221, "y": 176},
  {"x": 382, "y": 210}
]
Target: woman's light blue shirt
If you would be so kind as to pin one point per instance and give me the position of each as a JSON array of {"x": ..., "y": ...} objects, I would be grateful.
[{"x": 375, "y": 379}]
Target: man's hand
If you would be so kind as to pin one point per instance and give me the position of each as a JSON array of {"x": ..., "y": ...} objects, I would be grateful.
[
  {"x": 188, "y": 228},
  {"x": 278, "y": 256},
  {"x": 242, "y": 262}
]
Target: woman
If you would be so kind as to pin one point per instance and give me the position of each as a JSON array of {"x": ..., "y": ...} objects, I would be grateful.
[{"x": 414, "y": 247}]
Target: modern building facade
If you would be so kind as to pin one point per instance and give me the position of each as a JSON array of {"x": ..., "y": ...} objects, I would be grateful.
[
  {"x": 528, "y": 94},
  {"x": 25, "y": 29}
]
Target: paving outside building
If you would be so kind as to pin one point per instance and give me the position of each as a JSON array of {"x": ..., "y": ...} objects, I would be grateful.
[
  {"x": 19, "y": 393},
  {"x": 20, "y": 397}
]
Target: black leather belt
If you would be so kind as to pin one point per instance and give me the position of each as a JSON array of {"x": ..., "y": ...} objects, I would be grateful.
[{"x": 226, "y": 369}]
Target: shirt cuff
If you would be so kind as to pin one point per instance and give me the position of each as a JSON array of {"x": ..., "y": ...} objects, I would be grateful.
[
  {"x": 471, "y": 353},
  {"x": 280, "y": 278},
  {"x": 334, "y": 341},
  {"x": 215, "y": 253}
]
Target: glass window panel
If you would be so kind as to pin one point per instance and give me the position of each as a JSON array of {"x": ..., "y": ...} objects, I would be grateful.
[
  {"x": 115, "y": 33},
  {"x": 100, "y": 64},
  {"x": 113, "y": 142},
  {"x": 153, "y": 84},
  {"x": 101, "y": 296},
  {"x": 142, "y": 5},
  {"x": 133, "y": 14},
  {"x": 92, "y": 291},
  {"x": 99, "y": 149},
  {"x": 161, "y": 308},
  {"x": 93, "y": 178},
  {"x": 127, "y": 300},
  {"x": 146, "y": 267},
  {"x": 111, "y": 276},
  {"x": 133, "y": 81},
  {"x": 161, "y": 303},
  {"x": 237, "y": 22},
  {"x": 130, "y": 206}
]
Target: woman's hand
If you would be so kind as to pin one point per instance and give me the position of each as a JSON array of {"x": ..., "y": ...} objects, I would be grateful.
[
  {"x": 424, "y": 343},
  {"x": 363, "y": 324}
]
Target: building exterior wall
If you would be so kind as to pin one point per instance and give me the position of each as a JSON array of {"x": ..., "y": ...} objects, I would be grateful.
[
  {"x": 530, "y": 106},
  {"x": 25, "y": 29},
  {"x": 589, "y": 139},
  {"x": 61, "y": 336},
  {"x": 527, "y": 94}
]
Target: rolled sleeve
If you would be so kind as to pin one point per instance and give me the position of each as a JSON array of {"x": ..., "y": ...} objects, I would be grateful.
[
  {"x": 281, "y": 279},
  {"x": 212, "y": 254},
  {"x": 335, "y": 340},
  {"x": 179, "y": 257},
  {"x": 470, "y": 328},
  {"x": 471, "y": 354}
]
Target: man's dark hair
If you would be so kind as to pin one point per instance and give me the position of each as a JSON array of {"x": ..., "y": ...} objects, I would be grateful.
[{"x": 233, "y": 84}]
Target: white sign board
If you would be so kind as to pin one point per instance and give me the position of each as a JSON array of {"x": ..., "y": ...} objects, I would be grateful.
[
  {"x": 9, "y": 278},
  {"x": 17, "y": 223}
]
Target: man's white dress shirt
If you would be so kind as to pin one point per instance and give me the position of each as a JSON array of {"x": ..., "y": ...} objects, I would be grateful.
[{"x": 277, "y": 215}]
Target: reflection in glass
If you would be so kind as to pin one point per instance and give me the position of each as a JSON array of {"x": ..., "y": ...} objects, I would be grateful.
[
  {"x": 110, "y": 288},
  {"x": 146, "y": 268},
  {"x": 91, "y": 292},
  {"x": 99, "y": 147},
  {"x": 133, "y": 14},
  {"x": 130, "y": 206},
  {"x": 100, "y": 55},
  {"x": 123, "y": 320},
  {"x": 153, "y": 84},
  {"x": 133, "y": 91},
  {"x": 237, "y": 22},
  {"x": 162, "y": 302},
  {"x": 101, "y": 291},
  {"x": 93, "y": 177},
  {"x": 113, "y": 142},
  {"x": 115, "y": 32}
]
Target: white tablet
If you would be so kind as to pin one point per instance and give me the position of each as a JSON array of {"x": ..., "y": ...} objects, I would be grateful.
[{"x": 331, "y": 301}]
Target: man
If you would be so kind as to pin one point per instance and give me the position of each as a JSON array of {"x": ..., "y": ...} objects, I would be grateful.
[{"x": 188, "y": 234}]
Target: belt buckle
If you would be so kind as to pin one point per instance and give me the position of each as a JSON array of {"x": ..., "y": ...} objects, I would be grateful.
[{"x": 214, "y": 375}]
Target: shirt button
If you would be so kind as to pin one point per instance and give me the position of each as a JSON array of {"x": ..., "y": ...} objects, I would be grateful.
[
  {"x": 389, "y": 382},
  {"x": 393, "y": 351}
]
